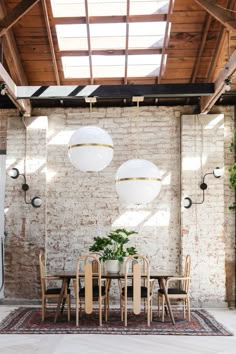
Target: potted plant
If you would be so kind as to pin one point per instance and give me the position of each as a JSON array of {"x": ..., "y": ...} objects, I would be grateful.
[{"x": 113, "y": 248}]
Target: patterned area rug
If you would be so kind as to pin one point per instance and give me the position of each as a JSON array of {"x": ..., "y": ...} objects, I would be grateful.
[{"x": 28, "y": 321}]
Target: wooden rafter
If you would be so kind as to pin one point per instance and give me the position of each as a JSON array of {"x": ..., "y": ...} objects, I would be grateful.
[
  {"x": 20, "y": 10},
  {"x": 50, "y": 40},
  {"x": 9, "y": 88},
  {"x": 12, "y": 58},
  {"x": 108, "y": 19},
  {"x": 222, "y": 15},
  {"x": 166, "y": 39},
  {"x": 219, "y": 46},
  {"x": 72, "y": 53},
  {"x": 228, "y": 70},
  {"x": 205, "y": 30},
  {"x": 208, "y": 102}
]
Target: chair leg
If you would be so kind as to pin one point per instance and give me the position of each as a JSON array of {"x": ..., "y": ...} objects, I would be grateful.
[
  {"x": 159, "y": 305},
  {"x": 125, "y": 310},
  {"x": 68, "y": 308},
  {"x": 121, "y": 310},
  {"x": 188, "y": 308},
  {"x": 77, "y": 312},
  {"x": 163, "y": 309},
  {"x": 148, "y": 313},
  {"x": 100, "y": 312},
  {"x": 43, "y": 308}
]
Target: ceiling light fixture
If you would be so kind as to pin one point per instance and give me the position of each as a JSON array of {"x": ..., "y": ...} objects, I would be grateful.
[
  {"x": 36, "y": 202},
  {"x": 217, "y": 173},
  {"x": 90, "y": 148},
  {"x": 137, "y": 181}
]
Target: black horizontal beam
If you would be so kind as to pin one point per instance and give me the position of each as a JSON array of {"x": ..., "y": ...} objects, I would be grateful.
[{"x": 115, "y": 91}]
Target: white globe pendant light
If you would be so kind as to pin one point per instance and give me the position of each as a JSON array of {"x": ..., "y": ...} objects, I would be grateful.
[
  {"x": 90, "y": 149},
  {"x": 138, "y": 182}
]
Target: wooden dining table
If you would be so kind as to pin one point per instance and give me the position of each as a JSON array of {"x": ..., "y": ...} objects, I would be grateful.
[{"x": 66, "y": 277}]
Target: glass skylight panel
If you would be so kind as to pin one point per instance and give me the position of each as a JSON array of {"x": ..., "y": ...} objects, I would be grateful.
[
  {"x": 72, "y": 37},
  {"x": 74, "y": 67},
  {"x": 108, "y": 66},
  {"x": 68, "y": 8},
  {"x": 146, "y": 34},
  {"x": 108, "y": 36},
  {"x": 144, "y": 65},
  {"x": 148, "y": 7},
  {"x": 107, "y": 7}
]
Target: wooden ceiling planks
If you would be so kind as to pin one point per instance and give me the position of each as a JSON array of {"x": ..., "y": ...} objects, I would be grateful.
[{"x": 196, "y": 50}]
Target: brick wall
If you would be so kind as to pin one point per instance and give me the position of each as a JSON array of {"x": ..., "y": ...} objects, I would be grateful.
[{"x": 78, "y": 206}]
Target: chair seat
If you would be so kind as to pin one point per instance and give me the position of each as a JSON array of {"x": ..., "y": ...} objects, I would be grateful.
[
  {"x": 130, "y": 291},
  {"x": 55, "y": 291},
  {"x": 173, "y": 291},
  {"x": 95, "y": 291}
]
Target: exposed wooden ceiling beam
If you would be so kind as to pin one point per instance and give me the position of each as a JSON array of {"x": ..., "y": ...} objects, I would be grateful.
[
  {"x": 219, "y": 13},
  {"x": 111, "y": 52},
  {"x": 19, "y": 10},
  {"x": 50, "y": 40},
  {"x": 9, "y": 87},
  {"x": 108, "y": 19},
  {"x": 228, "y": 70},
  {"x": 205, "y": 30},
  {"x": 166, "y": 39},
  {"x": 115, "y": 91},
  {"x": 12, "y": 57}
]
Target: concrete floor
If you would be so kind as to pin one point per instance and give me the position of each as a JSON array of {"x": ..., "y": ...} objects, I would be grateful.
[{"x": 114, "y": 344}]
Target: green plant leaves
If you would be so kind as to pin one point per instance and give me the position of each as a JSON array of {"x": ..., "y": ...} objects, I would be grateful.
[{"x": 112, "y": 246}]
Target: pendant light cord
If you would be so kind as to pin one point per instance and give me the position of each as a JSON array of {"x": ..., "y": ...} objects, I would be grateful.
[
  {"x": 90, "y": 111},
  {"x": 138, "y": 133}
]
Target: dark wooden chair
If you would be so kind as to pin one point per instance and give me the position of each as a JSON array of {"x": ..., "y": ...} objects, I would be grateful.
[{"x": 49, "y": 293}]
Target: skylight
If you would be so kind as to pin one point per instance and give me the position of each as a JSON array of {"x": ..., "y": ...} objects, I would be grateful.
[{"x": 110, "y": 39}]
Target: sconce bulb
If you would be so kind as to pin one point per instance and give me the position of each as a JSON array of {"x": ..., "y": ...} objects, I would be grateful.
[
  {"x": 218, "y": 172},
  {"x": 14, "y": 173},
  {"x": 187, "y": 202},
  {"x": 36, "y": 202}
]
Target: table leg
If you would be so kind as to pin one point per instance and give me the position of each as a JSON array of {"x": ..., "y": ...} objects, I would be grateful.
[
  {"x": 60, "y": 298},
  {"x": 163, "y": 286}
]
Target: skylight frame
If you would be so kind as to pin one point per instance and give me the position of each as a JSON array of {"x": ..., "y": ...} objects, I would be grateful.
[{"x": 136, "y": 39}]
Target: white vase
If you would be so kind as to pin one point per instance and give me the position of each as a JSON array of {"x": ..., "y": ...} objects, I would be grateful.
[
  {"x": 122, "y": 266},
  {"x": 112, "y": 266}
]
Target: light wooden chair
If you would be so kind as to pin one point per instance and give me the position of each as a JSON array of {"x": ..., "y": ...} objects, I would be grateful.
[
  {"x": 136, "y": 287},
  {"x": 179, "y": 292},
  {"x": 89, "y": 287},
  {"x": 50, "y": 293}
]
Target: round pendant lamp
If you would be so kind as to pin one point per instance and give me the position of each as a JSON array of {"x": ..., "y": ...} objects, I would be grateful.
[
  {"x": 138, "y": 182},
  {"x": 90, "y": 149}
]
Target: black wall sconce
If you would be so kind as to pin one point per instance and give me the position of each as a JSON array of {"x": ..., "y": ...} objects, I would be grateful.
[
  {"x": 36, "y": 202},
  {"x": 217, "y": 173}
]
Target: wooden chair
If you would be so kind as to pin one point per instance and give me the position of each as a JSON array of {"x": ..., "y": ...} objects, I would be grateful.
[
  {"x": 50, "y": 293},
  {"x": 179, "y": 292},
  {"x": 89, "y": 286},
  {"x": 136, "y": 287}
]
